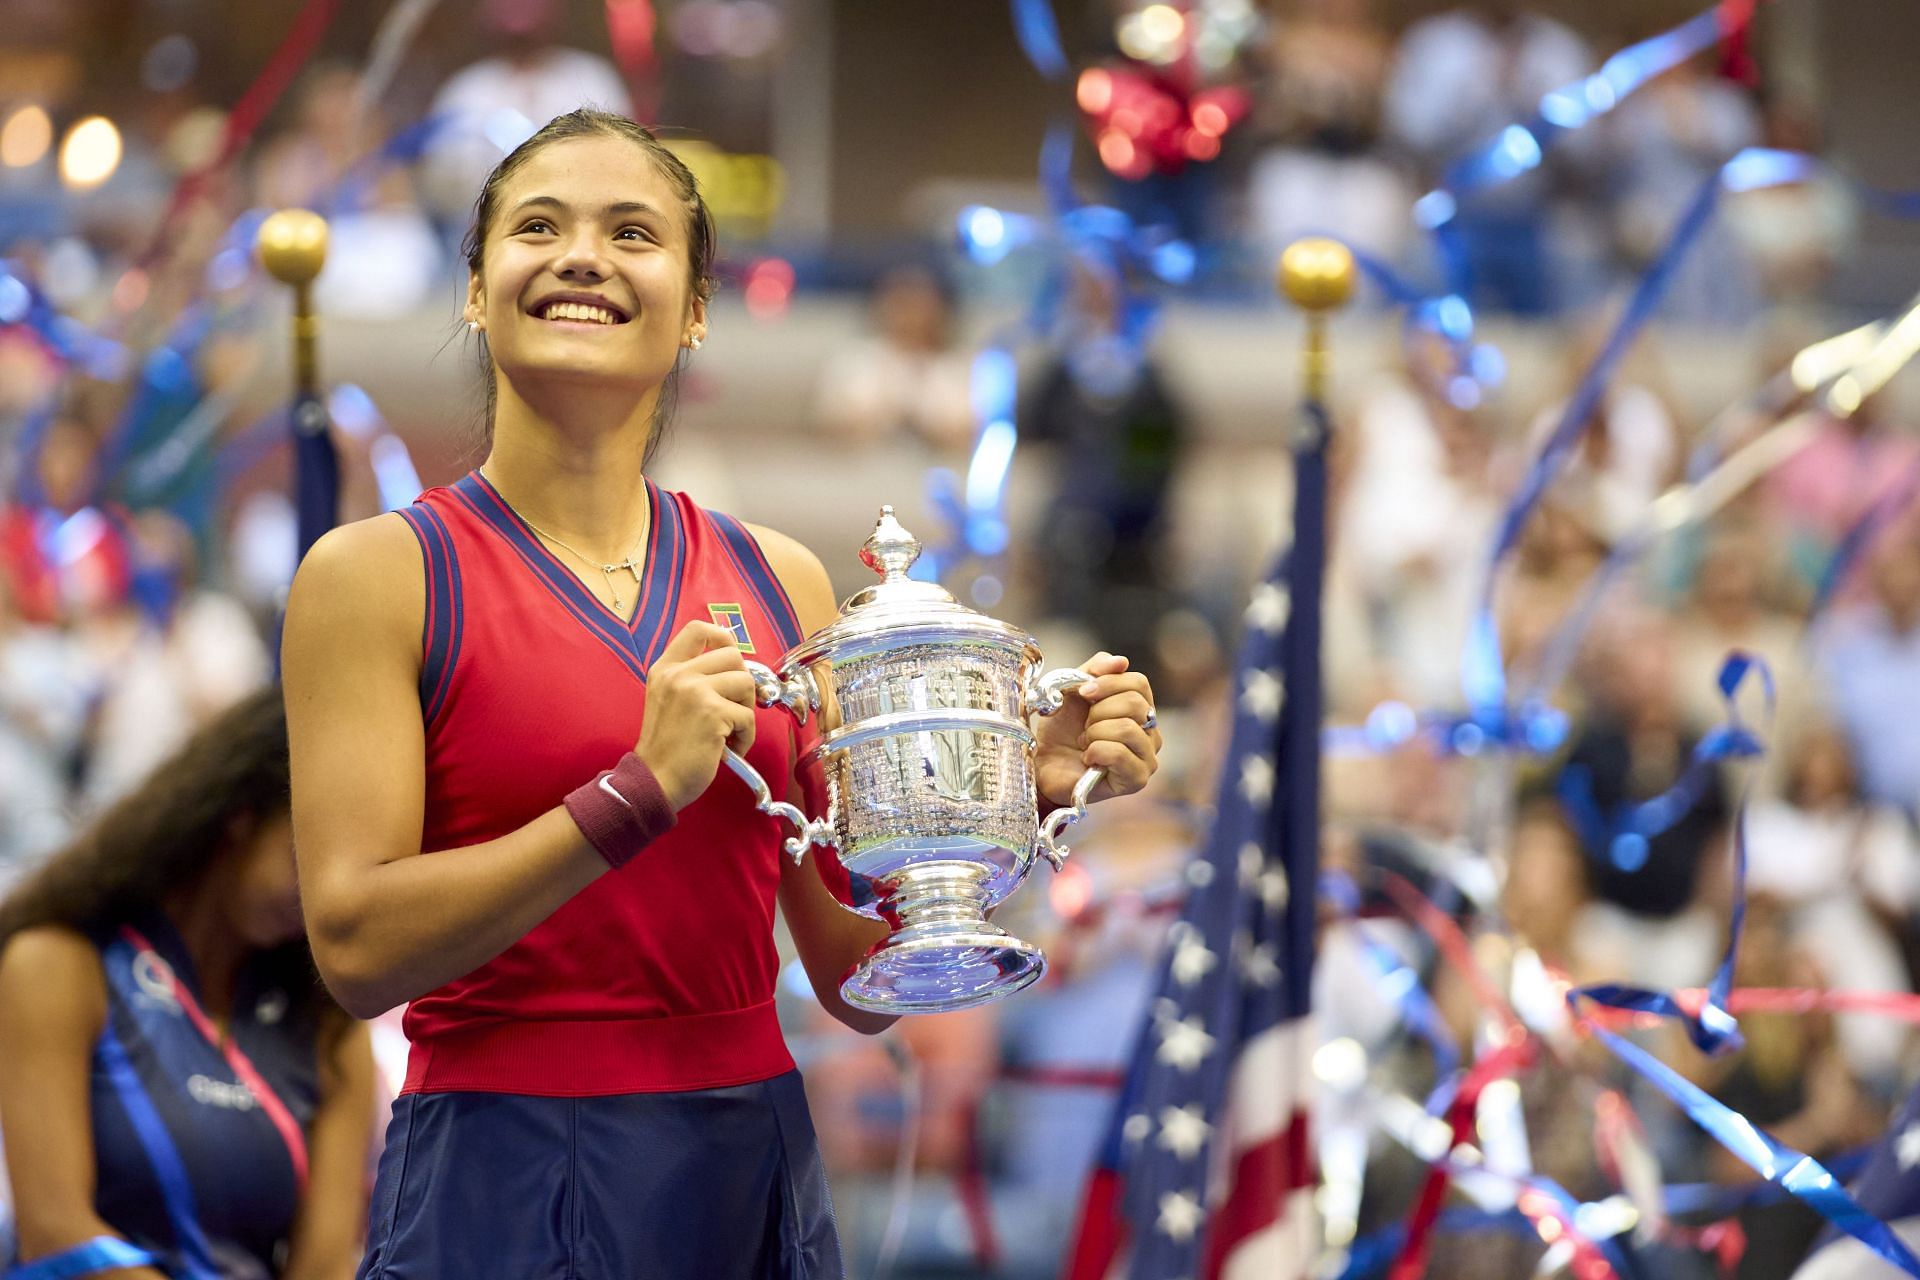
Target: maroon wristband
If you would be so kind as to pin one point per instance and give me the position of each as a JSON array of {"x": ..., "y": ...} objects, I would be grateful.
[{"x": 622, "y": 811}]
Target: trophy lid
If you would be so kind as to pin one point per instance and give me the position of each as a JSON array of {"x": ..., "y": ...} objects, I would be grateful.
[{"x": 880, "y": 615}]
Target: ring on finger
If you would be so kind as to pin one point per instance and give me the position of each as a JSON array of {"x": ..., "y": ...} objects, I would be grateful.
[{"x": 1152, "y": 720}]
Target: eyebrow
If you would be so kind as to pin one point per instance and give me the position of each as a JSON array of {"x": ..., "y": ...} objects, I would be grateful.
[{"x": 616, "y": 208}]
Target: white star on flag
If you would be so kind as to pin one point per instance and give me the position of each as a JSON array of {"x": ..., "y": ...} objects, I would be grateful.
[
  {"x": 1268, "y": 609},
  {"x": 1184, "y": 1043},
  {"x": 1180, "y": 1215},
  {"x": 1273, "y": 888},
  {"x": 1199, "y": 873},
  {"x": 1906, "y": 1147},
  {"x": 1183, "y": 1130},
  {"x": 1261, "y": 965},
  {"x": 1262, "y": 695},
  {"x": 1191, "y": 960},
  {"x": 1256, "y": 780},
  {"x": 1251, "y": 860},
  {"x": 1137, "y": 1127}
]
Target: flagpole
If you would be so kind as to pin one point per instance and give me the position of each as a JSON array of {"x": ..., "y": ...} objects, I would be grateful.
[
  {"x": 1205, "y": 1169},
  {"x": 1317, "y": 276},
  {"x": 293, "y": 247}
]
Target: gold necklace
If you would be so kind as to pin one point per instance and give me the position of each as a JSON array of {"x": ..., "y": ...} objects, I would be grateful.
[{"x": 606, "y": 570}]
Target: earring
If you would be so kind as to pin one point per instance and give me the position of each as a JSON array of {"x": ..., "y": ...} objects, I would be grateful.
[
  {"x": 473, "y": 326},
  {"x": 694, "y": 343}
]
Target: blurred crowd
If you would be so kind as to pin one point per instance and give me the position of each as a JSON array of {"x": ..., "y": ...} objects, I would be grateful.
[{"x": 139, "y": 581}]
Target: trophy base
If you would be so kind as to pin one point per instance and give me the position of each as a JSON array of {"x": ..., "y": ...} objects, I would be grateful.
[{"x": 944, "y": 954}]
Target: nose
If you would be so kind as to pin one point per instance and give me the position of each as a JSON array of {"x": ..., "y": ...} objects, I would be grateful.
[{"x": 581, "y": 257}]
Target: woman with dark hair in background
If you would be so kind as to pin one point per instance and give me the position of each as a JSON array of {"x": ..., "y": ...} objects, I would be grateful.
[
  {"x": 179, "y": 1095},
  {"x": 507, "y": 703}
]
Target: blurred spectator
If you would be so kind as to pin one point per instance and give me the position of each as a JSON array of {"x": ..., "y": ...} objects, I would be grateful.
[
  {"x": 1845, "y": 870},
  {"x": 906, "y": 379},
  {"x": 1545, "y": 899},
  {"x": 1672, "y": 137},
  {"x": 1459, "y": 79},
  {"x": 1628, "y": 450},
  {"x": 1415, "y": 522},
  {"x": 1825, "y": 487},
  {"x": 1790, "y": 1079},
  {"x": 171, "y": 657},
  {"x": 383, "y": 257},
  {"x": 1632, "y": 748},
  {"x": 1869, "y": 662},
  {"x": 865, "y": 1106},
  {"x": 493, "y": 105},
  {"x": 1327, "y": 65},
  {"x": 1556, "y": 556},
  {"x": 43, "y": 708},
  {"x": 1794, "y": 233},
  {"x": 1117, "y": 434},
  {"x": 1729, "y": 609},
  {"x": 57, "y": 552}
]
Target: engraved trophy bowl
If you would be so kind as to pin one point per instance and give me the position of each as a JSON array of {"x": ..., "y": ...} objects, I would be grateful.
[{"x": 921, "y": 759}]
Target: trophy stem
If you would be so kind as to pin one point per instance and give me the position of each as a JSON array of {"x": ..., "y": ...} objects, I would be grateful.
[{"x": 943, "y": 954}]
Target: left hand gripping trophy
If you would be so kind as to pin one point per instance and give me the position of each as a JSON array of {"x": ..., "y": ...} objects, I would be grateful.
[{"x": 925, "y": 763}]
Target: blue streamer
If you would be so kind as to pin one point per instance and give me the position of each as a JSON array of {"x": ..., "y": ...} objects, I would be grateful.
[
  {"x": 1715, "y": 1031},
  {"x": 1039, "y": 33},
  {"x": 1521, "y": 147},
  {"x": 175, "y": 1189},
  {"x": 89, "y": 1257},
  {"x": 1796, "y": 1173},
  {"x": 1098, "y": 238}
]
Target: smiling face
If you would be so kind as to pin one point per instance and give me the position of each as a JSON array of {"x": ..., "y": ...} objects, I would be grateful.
[{"x": 585, "y": 271}]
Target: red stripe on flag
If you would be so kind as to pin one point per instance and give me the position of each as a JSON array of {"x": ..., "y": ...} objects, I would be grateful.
[
  {"x": 1100, "y": 1234},
  {"x": 1262, "y": 1179}
]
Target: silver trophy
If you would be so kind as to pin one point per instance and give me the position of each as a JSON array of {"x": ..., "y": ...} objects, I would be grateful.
[{"x": 923, "y": 766}]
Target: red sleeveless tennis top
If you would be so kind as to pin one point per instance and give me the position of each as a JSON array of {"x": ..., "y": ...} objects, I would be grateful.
[{"x": 658, "y": 976}]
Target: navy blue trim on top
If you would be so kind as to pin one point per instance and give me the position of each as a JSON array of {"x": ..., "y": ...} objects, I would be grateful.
[
  {"x": 744, "y": 550},
  {"x": 659, "y": 580},
  {"x": 444, "y": 618},
  {"x": 660, "y": 593}
]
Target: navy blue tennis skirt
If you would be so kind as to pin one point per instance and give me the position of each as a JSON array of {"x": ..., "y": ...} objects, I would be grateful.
[{"x": 713, "y": 1184}]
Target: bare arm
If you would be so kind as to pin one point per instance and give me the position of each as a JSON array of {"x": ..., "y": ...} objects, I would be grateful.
[
  {"x": 327, "y": 1236},
  {"x": 829, "y": 938},
  {"x": 53, "y": 1005},
  {"x": 387, "y": 924}
]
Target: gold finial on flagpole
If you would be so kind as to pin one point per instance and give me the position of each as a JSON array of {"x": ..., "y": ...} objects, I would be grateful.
[
  {"x": 293, "y": 247},
  {"x": 1316, "y": 274}
]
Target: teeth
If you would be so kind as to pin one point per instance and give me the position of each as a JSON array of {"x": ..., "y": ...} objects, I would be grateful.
[{"x": 581, "y": 311}]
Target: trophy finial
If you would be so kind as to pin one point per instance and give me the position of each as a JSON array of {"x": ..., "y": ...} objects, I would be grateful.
[{"x": 890, "y": 551}]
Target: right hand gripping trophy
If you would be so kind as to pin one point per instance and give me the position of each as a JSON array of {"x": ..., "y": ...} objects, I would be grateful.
[{"x": 924, "y": 760}]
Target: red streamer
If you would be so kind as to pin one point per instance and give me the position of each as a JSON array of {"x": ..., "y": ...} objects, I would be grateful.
[{"x": 244, "y": 120}]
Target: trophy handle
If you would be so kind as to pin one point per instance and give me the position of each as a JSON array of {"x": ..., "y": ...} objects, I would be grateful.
[
  {"x": 1049, "y": 846},
  {"x": 799, "y": 695},
  {"x": 808, "y": 831},
  {"x": 1043, "y": 697}
]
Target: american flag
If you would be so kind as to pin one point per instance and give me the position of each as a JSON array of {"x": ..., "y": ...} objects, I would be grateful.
[{"x": 1206, "y": 1170}]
